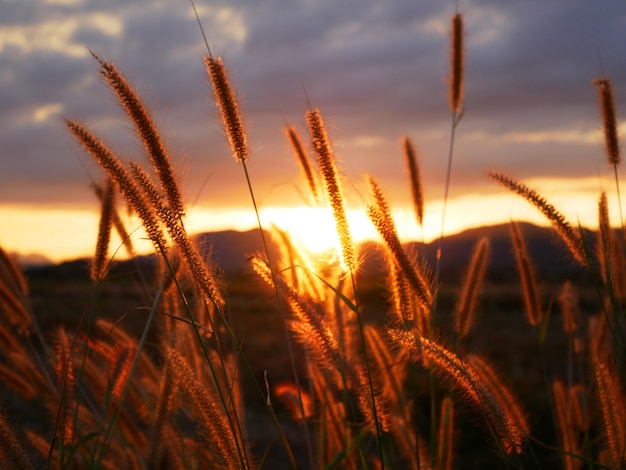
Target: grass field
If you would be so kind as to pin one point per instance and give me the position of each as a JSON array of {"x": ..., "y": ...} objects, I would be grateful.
[{"x": 297, "y": 363}]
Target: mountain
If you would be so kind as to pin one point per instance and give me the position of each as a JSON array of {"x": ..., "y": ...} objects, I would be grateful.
[{"x": 230, "y": 249}]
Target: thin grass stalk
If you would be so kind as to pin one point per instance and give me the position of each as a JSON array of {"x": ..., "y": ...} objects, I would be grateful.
[
  {"x": 532, "y": 303},
  {"x": 147, "y": 131},
  {"x": 456, "y": 106},
  {"x": 232, "y": 418},
  {"x": 231, "y": 117},
  {"x": 105, "y": 442},
  {"x": 332, "y": 415},
  {"x": 466, "y": 308},
  {"x": 571, "y": 324},
  {"x": 572, "y": 240},
  {"x": 332, "y": 185}
]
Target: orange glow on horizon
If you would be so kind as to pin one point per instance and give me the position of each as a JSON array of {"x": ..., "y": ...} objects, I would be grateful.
[{"x": 62, "y": 234}]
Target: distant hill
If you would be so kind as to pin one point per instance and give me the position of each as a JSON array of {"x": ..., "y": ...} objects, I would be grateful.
[{"x": 230, "y": 249}]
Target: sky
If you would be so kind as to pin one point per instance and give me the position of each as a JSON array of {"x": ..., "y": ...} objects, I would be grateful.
[{"x": 376, "y": 69}]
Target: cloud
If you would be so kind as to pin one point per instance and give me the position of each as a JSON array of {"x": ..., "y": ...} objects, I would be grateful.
[{"x": 376, "y": 69}]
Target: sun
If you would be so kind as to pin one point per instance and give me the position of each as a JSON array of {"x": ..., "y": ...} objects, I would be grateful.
[{"x": 314, "y": 227}]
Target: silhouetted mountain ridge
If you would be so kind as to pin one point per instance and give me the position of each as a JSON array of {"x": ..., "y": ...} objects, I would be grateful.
[{"x": 230, "y": 250}]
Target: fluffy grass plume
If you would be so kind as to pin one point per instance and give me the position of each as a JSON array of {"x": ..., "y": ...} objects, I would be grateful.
[
  {"x": 330, "y": 175},
  {"x": 613, "y": 412},
  {"x": 12, "y": 450},
  {"x": 532, "y": 303},
  {"x": 569, "y": 308},
  {"x": 122, "y": 178},
  {"x": 214, "y": 427},
  {"x": 118, "y": 223},
  {"x": 572, "y": 240},
  {"x": 380, "y": 215},
  {"x": 415, "y": 179},
  {"x": 477, "y": 384},
  {"x": 228, "y": 106},
  {"x": 466, "y": 308},
  {"x": 101, "y": 256},
  {"x": 147, "y": 131},
  {"x": 608, "y": 250},
  {"x": 456, "y": 63},
  {"x": 609, "y": 119},
  {"x": 302, "y": 158}
]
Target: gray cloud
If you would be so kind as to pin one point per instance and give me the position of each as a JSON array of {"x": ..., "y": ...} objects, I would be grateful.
[{"x": 376, "y": 69}]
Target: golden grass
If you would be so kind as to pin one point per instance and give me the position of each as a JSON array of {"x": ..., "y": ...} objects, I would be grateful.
[
  {"x": 457, "y": 64},
  {"x": 374, "y": 395},
  {"x": 332, "y": 184},
  {"x": 525, "y": 268},
  {"x": 609, "y": 119}
]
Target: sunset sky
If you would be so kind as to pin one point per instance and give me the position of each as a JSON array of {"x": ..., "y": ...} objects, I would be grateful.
[{"x": 376, "y": 69}]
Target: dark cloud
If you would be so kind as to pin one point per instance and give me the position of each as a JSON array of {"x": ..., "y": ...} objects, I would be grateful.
[{"x": 377, "y": 70}]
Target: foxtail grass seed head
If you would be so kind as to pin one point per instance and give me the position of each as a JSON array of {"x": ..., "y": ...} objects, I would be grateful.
[
  {"x": 413, "y": 274},
  {"x": 532, "y": 303},
  {"x": 302, "y": 158},
  {"x": 228, "y": 106},
  {"x": 573, "y": 240},
  {"x": 328, "y": 169},
  {"x": 457, "y": 66},
  {"x": 568, "y": 302},
  {"x": 609, "y": 119},
  {"x": 147, "y": 131},
  {"x": 565, "y": 424},
  {"x": 121, "y": 177},
  {"x": 613, "y": 412},
  {"x": 466, "y": 309},
  {"x": 476, "y": 382},
  {"x": 414, "y": 178},
  {"x": 100, "y": 259},
  {"x": 118, "y": 223},
  {"x": 11, "y": 449}
]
